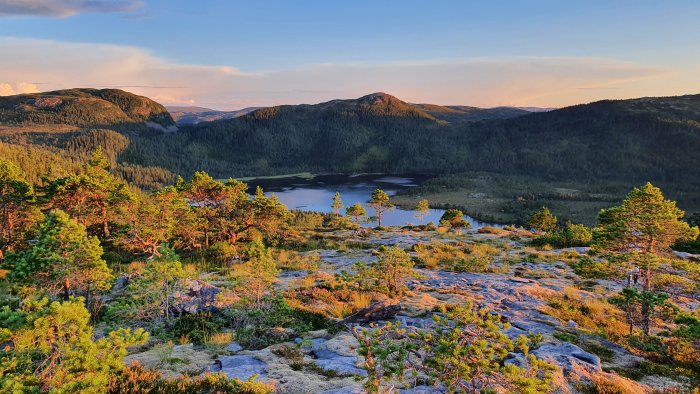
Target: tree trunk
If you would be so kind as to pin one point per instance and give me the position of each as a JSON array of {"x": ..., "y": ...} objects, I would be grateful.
[
  {"x": 647, "y": 279},
  {"x": 646, "y": 319},
  {"x": 105, "y": 222},
  {"x": 66, "y": 289}
]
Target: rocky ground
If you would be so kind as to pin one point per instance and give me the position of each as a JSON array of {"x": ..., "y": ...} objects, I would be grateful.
[{"x": 319, "y": 362}]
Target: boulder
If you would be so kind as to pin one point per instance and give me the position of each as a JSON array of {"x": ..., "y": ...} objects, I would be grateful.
[
  {"x": 337, "y": 354},
  {"x": 568, "y": 355},
  {"x": 382, "y": 310},
  {"x": 234, "y": 347},
  {"x": 242, "y": 367},
  {"x": 196, "y": 296}
]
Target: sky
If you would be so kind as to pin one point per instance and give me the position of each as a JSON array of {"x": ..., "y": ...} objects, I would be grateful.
[{"x": 230, "y": 54}]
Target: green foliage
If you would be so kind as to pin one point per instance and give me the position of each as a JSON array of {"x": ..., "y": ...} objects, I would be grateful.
[
  {"x": 387, "y": 274},
  {"x": 148, "y": 296},
  {"x": 357, "y": 212},
  {"x": 135, "y": 379},
  {"x": 587, "y": 267},
  {"x": 453, "y": 218},
  {"x": 92, "y": 196},
  {"x": 543, "y": 220},
  {"x": 256, "y": 276},
  {"x": 573, "y": 235},
  {"x": 379, "y": 201},
  {"x": 16, "y": 196},
  {"x": 422, "y": 209},
  {"x": 337, "y": 204},
  {"x": 62, "y": 258},
  {"x": 55, "y": 351},
  {"x": 458, "y": 257},
  {"x": 641, "y": 308},
  {"x": 274, "y": 321},
  {"x": 464, "y": 352},
  {"x": 643, "y": 228}
]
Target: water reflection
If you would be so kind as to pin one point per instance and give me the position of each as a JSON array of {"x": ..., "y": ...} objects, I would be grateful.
[{"x": 316, "y": 194}]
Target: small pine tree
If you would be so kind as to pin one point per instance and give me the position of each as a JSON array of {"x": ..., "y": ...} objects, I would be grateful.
[
  {"x": 62, "y": 259},
  {"x": 543, "y": 220},
  {"x": 380, "y": 203},
  {"x": 454, "y": 218},
  {"x": 357, "y": 212},
  {"x": 464, "y": 351},
  {"x": 337, "y": 204},
  {"x": 56, "y": 352},
  {"x": 422, "y": 209}
]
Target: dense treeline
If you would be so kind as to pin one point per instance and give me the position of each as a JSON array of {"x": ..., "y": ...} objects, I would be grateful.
[
  {"x": 613, "y": 140},
  {"x": 626, "y": 141},
  {"x": 82, "y": 107}
]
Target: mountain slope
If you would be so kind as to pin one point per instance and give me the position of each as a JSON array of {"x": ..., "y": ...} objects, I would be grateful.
[
  {"x": 641, "y": 139},
  {"x": 194, "y": 115},
  {"x": 460, "y": 113},
  {"x": 83, "y": 108}
]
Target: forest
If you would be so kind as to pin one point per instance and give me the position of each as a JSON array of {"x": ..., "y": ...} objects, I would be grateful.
[{"x": 107, "y": 288}]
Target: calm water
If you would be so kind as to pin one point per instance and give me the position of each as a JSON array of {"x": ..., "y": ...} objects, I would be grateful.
[{"x": 317, "y": 195}]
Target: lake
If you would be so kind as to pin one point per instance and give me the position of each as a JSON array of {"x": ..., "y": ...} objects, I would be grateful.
[{"x": 316, "y": 194}]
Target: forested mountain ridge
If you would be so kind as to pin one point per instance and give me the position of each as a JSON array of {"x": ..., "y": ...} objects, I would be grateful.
[
  {"x": 619, "y": 140},
  {"x": 194, "y": 115},
  {"x": 83, "y": 108}
]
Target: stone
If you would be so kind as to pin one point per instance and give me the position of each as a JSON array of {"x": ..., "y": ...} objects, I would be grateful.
[
  {"x": 382, "y": 310},
  {"x": 196, "y": 296},
  {"x": 344, "y": 390},
  {"x": 339, "y": 357},
  {"x": 242, "y": 367},
  {"x": 234, "y": 347},
  {"x": 568, "y": 355}
]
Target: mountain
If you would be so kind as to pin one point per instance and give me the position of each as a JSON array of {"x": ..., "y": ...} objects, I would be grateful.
[
  {"x": 640, "y": 139},
  {"x": 460, "y": 113},
  {"x": 84, "y": 108},
  {"x": 194, "y": 115},
  {"x": 626, "y": 141}
]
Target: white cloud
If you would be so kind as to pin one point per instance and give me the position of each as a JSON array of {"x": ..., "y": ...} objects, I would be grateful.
[
  {"x": 6, "y": 89},
  {"x": 26, "y": 87},
  {"x": 520, "y": 81},
  {"x": 21, "y": 87},
  {"x": 64, "y": 8}
]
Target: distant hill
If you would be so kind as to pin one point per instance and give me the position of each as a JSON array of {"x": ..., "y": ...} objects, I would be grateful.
[
  {"x": 626, "y": 141},
  {"x": 459, "y": 113},
  {"x": 84, "y": 108},
  {"x": 194, "y": 115},
  {"x": 640, "y": 139}
]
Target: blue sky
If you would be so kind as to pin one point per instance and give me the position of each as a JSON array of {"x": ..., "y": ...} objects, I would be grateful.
[{"x": 227, "y": 54}]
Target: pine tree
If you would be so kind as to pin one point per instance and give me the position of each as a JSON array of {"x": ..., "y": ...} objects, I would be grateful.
[
  {"x": 149, "y": 293},
  {"x": 642, "y": 230},
  {"x": 422, "y": 209},
  {"x": 357, "y": 212},
  {"x": 91, "y": 197},
  {"x": 463, "y": 350},
  {"x": 380, "y": 203},
  {"x": 257, "y": 275},
  {"x": 543, "y": 220},
  {"x": 55, "y": 351},
  {"x": 62, "y": 259},
  {"x": 453, "y": 218},
  {"x": 337, "y": 204},
  {"x": 17, "y": 213},
  {"x": 204, "y": 194}
]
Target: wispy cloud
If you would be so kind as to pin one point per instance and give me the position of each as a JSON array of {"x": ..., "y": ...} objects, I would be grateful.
[
  {"x": 65, "y": 8},
  {"x": 517, "y": 81}
]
